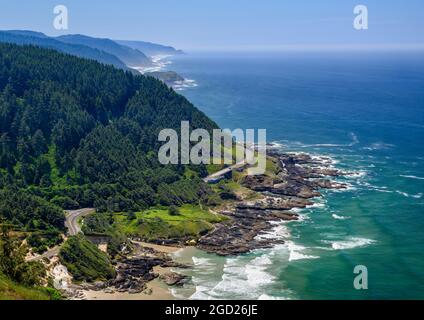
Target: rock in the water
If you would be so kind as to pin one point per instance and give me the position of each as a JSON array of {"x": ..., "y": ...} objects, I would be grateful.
[{"x": 173, "y": 279}]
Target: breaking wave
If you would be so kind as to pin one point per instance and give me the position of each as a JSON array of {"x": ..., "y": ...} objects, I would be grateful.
[
  {"x": 407, "y": 195},
  {"x": 412, "y": 177},
  {"x": 337, "y": 217},
  {"x": 350, "y": 243}
]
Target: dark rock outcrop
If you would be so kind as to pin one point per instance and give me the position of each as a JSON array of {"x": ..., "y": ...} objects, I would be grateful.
[
  {"x": 174, "y": 279},
  {"x": 299, "y": 178}
]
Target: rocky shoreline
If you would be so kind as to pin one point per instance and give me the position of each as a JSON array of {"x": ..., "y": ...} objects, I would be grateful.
[
  {"x": 133, "y": 275},
  {"x": 299, "y": 179}
]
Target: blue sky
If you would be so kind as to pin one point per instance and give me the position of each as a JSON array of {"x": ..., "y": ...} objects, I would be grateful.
[{"x": 225, "y": 24}]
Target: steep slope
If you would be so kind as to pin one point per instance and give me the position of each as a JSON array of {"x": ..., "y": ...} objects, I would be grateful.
[
  {"x": 79, "y": 133},
  {"x": 150, "y": 49},
  {"x": 130, "y": 56},
  {"x": 22, "y": 37},
  {"x": 10, "y": 290}
]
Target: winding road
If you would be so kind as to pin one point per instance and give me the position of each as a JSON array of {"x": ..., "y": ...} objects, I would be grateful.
[
  {"x": 249, "y": 153},
  {"x": 72, "y": 217},
  {"x": 71, "y": 223},
  {"x": 224, "y": 171}
]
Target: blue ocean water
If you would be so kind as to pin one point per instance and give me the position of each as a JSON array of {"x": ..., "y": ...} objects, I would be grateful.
[{"x": 365, "y": 111}]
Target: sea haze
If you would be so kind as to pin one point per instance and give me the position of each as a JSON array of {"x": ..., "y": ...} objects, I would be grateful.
[{"x": 365, "y": 111}]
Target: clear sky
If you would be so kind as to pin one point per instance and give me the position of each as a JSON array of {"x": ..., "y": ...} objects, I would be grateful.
[{"x": 227, "y": 24}]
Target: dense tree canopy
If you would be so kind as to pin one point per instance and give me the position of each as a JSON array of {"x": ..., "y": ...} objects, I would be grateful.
[{"x": 79, "y": 133}]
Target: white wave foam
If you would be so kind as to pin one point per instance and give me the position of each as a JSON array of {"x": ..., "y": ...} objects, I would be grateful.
[
  {"x": 184, "y": 84},
  {"x": 350, "y": 243},
  {"x": 381, "y": 190},
  {"x": 268, "y": 297},
  {"x": 202, "y": 293},
  {"x": 411, "y": 177},
  {"x": 243, "y": 279},
  {"x": 275, "y": 145},
  {"x": 407, "y": 195},
  {"x": 197, "y": 261},
  {"x": 201, "y": 279},
  {"x": 317, "y": 205},
  {"x": 337, "y": 217},
  {"x": 255, "y": 271},
  {"x": 325, "y": 160},
  {"x": 379, "y": 146},
  {"x": 356, "y": 174},
  {"x": 347, "y": 187},
  {"x": 369, "y": 186},
  {"x": 159, "y": 63},
  {"x": 176, "y": 295},
  {"x": 278, "y": 232},
  {"x": 296, "y": 252},
  {"x": 302, "y": 217}
]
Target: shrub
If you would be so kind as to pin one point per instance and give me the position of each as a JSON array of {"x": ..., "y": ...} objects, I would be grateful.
[
  {"x": 65, "y": 202},
  {"x": 85, "y": 261},
  {"x": 173, "y": 211},
  {"x": 131, "y": 216}
]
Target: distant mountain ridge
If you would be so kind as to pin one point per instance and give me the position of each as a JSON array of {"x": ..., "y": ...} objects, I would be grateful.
[
  {"x": 23, "y": 37},
  {"x": 127, "y": 55},
  {"x": 131, "y": 57},
  {"x": 149, "y": 48},
  {"x": 27, "y": 33}
]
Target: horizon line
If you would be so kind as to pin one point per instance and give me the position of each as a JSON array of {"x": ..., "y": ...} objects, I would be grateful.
[
  {"x": 310, "y": 48},
  {"x": 331, "y": 47}
]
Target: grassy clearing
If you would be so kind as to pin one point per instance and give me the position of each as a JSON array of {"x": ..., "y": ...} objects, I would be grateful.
[
  {"x": 271, "y": 167},
  {"x": 157, "y": 223},
  {"x": 212, "y": 168},
  {"x": 235, "y": 187},
  {"x": 9, "y": 290}
]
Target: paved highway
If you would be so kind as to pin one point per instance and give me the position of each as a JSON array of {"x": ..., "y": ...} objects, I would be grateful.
[
  {"x": 72, "y": 217},
  {"x": 73, "y": 227},
  {"x": 224, "y": 171}
]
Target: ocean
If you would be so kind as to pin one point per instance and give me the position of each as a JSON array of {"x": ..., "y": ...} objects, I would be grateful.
[{"x": 366, "y": 112}]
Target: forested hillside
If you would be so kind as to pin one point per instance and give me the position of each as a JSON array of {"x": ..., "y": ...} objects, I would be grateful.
[
  {"x": 130, "y": 56},
  {"x": 77, "y": 133},
  {"x": 150, "y": 49},
  {"x": 23, "y": 37}
]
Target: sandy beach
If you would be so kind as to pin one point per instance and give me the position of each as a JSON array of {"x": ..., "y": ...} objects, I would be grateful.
[
  {"x": 156, "y": 289},
  {"x": 160, "y": 248}
]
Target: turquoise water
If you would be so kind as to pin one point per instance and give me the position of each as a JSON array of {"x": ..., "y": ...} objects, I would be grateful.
[{"x": 365, "y": 111}]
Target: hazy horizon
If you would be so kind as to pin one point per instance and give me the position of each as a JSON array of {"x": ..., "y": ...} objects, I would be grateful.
[{"x": 236, "y": 26}]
